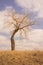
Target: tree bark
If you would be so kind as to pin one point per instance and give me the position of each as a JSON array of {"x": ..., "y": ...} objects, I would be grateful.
[
  {"x": 12, "y": 43},
  {"x": 12, "y": 39}
]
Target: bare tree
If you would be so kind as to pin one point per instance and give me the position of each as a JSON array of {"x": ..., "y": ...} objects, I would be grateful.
[{"x": 18, "y": 23}]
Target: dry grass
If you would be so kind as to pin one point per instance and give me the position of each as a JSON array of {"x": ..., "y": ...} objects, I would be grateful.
[{"x": 21, "y": 57}]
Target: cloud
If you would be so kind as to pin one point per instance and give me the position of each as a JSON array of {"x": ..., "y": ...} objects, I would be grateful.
[
  {"x": 34, "y": 5},
  {"x": 36, "y": 35},
  {"x": 3, "y": 19},
  {"x": 4, "y": 43},
  {"x": 34, "y": 42}
]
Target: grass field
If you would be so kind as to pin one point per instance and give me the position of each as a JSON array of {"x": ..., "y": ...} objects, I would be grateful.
[{"x": 21, "y": 57}]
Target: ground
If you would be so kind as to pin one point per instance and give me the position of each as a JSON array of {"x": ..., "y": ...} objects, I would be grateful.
[{"x": 21, "y": 57}]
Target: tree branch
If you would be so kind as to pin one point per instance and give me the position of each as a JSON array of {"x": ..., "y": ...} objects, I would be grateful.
[
  {"x": 23, "y": 19},
  {"x": 15, "y": 19},
  {"x": 13, "y": 24},
  {"x": 14, "y": 32},
  {"x": 26, "y": 26}
]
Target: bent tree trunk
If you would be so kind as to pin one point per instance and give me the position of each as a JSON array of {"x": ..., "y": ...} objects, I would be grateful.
[
  {"x": 12, "y": 43},
  {"x": 12, "y": 39}
]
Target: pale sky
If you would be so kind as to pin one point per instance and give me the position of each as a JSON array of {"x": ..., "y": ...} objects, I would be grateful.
[
  {"x": 35, "y": 5},
  {"x": 35, "y": 9}
]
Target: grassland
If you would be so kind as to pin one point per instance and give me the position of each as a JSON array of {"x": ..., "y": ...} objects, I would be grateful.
[{"x": 21, "y": 57}]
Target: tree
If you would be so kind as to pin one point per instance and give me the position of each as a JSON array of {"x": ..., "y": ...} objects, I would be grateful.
[{"x": 17, "y": 22}]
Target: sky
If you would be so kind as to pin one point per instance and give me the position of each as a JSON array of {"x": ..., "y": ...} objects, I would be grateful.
[{"x": 35, "y": 10}]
